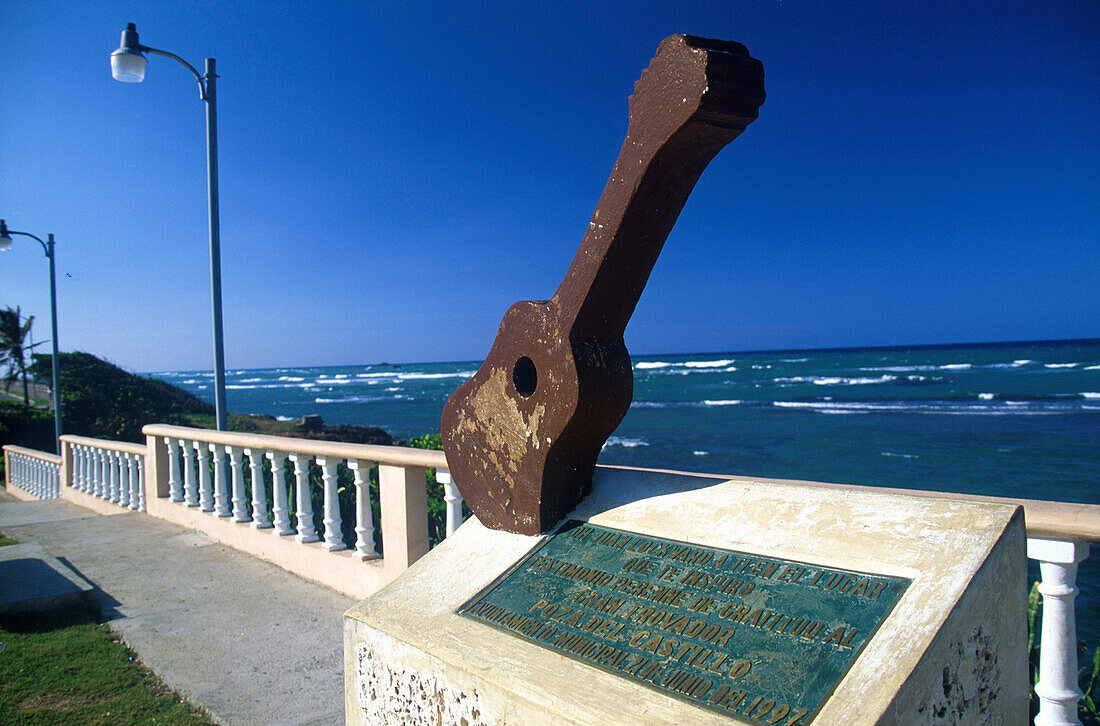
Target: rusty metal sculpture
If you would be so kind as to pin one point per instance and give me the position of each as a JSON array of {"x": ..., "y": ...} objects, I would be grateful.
[{"x": 523, "y": 434}]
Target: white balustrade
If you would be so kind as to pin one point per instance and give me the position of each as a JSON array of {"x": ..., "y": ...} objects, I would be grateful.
[
  {"x": 98, "y": 470},
  {"x": 190, "y": 481},
  {"x": 303, "y": 507},
  {"x": 1057, "y": 688},
  {"x": 123, "y": 460},
  {"x": 256, "y": 481},
  {"x": 221, "y": 484},
  {"x": 34, "y": 472},
  {"x": 364, "y": 514},
  {"x": 334, "y": 536},
  {"x": 242, "y": 497},
  {"x": 452, "y": 499},
  {"x": 279, "y": 507},
  {"x": 111, "y": 471},
  {"x": 240, "y": 500},
  {"x": 135, "y": 462},
  {"x": 175, "y": 484},
  {"x": 206, "y": 487},
  {"x": 113, "y": 467}
]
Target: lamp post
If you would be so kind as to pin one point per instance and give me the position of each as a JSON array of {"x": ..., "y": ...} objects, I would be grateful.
[
  {"x": 47, "y": 247},
  {"x": 128, "y": 65}
]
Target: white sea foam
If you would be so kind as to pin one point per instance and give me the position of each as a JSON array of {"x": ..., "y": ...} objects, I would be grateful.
[
  {"x": 900, "y": 456},
  {"x": 1092, "y": 368},
  {"x": 730, "y": 402},
  {"x": 987, "y": 396},
  {"x": 700, "y": 453},
  {"x": 956, "y": 366},
  {"x": 251, "y": 380},
  {"x": 648, "y": 404},
  {"x": 187, "y": 382},
  {"x": 359, "y": 399},
  {"x": 793, "y": 360},
  {"x": 1091, "y": 395},
  {"x": 837, "y": 380},
  {"x": 948, "y": 408},
  {"x": 1061, "y": 365},
  {"x": 901, "y": 369},
  {"x": 341, "y": 375},
  {"x": 707, "y": 363},
  {"x": 625, "y": 442},
  {"x": 1022, "y": 362},
  {"x": 291, "y": 378},
  {"x": 679, "y": 367}
]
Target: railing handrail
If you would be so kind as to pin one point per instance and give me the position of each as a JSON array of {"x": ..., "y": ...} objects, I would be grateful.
[
  {"x": 1051, "y": 520},
  {"x": 126, "y": 446},
  {"x": 34, "y": 453},
  {"x": 390, "y": 455}
]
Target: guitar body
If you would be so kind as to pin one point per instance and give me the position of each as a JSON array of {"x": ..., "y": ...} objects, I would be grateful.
[{"x": 532, "y": 420}]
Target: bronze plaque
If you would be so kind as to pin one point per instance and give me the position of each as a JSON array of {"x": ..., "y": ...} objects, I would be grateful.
[{"x": 762, "y": 639}]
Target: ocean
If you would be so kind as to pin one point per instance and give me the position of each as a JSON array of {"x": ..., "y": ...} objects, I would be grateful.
[{"x": 1006, "y": 419}]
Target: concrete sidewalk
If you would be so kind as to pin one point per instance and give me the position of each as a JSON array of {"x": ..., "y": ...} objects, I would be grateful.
[{"x": 243, "y": 639}]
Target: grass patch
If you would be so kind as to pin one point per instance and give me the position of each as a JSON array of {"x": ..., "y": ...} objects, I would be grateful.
[
  {"x": 6, "y": 540},
  {"x": 65, "y": 667}
]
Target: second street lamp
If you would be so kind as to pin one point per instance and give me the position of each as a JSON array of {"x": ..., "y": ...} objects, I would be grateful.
[
  {"x": 47, "y": 247},
  {"x": 128, "y": 65}
]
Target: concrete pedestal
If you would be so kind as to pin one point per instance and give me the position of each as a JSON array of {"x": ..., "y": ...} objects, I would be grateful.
[{"x": 951, "y": 651}]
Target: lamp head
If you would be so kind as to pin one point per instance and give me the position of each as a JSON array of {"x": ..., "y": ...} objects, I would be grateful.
[
  {"x": 5, "y": 238},
  {"x": 128, "y": 62}
]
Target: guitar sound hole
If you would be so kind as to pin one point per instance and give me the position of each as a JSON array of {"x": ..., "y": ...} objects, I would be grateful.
[{"x": 525, "y": 377}]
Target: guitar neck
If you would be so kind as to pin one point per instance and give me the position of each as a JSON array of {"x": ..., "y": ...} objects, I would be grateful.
[{"x": 694, "y": 98}]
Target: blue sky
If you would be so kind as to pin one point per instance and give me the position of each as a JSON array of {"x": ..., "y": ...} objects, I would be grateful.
[{"x": 394, "y": 175}]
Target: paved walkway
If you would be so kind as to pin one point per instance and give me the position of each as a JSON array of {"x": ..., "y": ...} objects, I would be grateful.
[{"x": 250, "y": 643}]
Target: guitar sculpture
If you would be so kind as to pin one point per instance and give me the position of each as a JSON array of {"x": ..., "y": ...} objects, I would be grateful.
[{"x": 523, "y": 434}]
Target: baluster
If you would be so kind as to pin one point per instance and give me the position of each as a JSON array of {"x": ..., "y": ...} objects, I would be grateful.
[
  {"x": 81, "y": 454},
  {"x": 1057, "y": 688},
  {"x": 123, "y": 479},
  {"x": 135, "y": 482},
  {"x": 175, "y": 486},
  {"x": 364, "y": 517},
  {"x": 221, "y": 485},
  {"x": 206, "y": 489},
  {"x": 240, "y": 500},
  {"x": 75, "y": 449},
  {"x": 303, "y": 506},
  {"x": 259, "y": 496},
  {"x": 101, "y": 488},
  {"x": 36, "y": 485},
  {"x": 190, "y": 484},
  {"x": 453, "y": 499},
  {"x": 116, "y": 484},
  {"x": 141, "y": 483},
  {"x": 334, "y": 536},
  {"x": 278, "y": 494}
]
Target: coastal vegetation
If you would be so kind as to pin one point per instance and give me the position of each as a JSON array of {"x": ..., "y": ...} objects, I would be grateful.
[{"x": 14, "y": 347}]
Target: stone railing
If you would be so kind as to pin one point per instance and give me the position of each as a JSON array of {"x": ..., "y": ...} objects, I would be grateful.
[
  {"x": 32, "y": 474},
  {"x": 106, "y": 476},
  {"x": 251, "y": 492},
  {"x": 197, "y": 478}
]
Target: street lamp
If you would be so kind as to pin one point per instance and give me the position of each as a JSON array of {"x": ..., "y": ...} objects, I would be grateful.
[
  {"x": 47, "y": 247},
  {"x": 128, "y": 65}
]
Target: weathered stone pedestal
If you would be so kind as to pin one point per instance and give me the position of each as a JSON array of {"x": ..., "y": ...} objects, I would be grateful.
[{"x": 785, "y": 603}]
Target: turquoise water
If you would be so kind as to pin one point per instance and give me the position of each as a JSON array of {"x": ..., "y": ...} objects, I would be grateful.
[{"x": 1018, "y": 420}]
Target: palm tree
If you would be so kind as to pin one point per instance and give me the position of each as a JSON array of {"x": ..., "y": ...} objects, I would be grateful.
[{"x": 13, "y": 347}]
